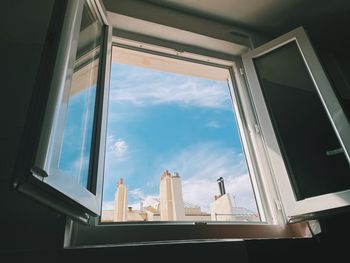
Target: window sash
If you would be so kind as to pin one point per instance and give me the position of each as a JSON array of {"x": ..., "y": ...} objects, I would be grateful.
[
  {"x": 60, "y": 188},
  {"x": 310, "y": 207}
]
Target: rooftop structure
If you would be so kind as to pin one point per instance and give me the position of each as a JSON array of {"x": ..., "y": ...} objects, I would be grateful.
[{"x": 171, "y": 207}]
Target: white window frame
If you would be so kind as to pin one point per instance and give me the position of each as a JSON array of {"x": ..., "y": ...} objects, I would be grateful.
[
  {"x": 273, "y": 224},
  {"x": 310, "y": 207}
]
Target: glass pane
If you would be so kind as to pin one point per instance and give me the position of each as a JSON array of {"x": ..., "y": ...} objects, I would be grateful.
[
  {"x": 336, "y": 63},
  {"x": 78, "y": 106},
  {"x": 313, "y": 156},
  {"x": 172, "y": 135}
]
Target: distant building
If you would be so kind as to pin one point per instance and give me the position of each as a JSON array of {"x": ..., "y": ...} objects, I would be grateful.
[
  {"x": 221, "y": 209},
  {"x": 171, "y": 206},
  {"x": 171, "y": 202}
]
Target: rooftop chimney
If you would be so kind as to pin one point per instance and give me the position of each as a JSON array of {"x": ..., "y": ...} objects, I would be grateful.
[
  {"x": 165, "y": 174},
  {"x": 221, "y": 185}
]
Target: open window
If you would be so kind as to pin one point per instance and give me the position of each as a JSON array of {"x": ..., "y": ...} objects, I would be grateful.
[
  {"x": 304, "y": 126},
  {"x": 64, "y": 172},
  {"x": 293, "y": 135},
  {"x": 149, "y": 83},
  {"x": 176, "y": 111}
]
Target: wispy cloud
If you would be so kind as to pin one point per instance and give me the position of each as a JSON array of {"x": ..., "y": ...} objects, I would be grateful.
[
  {"x": 135, "y": 197},
  {"x": 117, "y": 147},
  {"x": 147, "y": 199},
  {"x": 137, "y": 193},
  {"x": 200, "y": 166},
  {"x": 213, "y": 124},
  {"x": 108, "y": 205},
  {"x": 117, "y": 154},
  {"x": 202, "y": 191},
  {"x": 140, "y": 87}
]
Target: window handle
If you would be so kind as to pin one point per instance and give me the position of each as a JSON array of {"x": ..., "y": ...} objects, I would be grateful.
[{"x": 335, "y": 151}]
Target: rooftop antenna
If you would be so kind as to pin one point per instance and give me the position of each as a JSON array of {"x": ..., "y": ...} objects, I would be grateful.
[
  {"x": 234, "y": 201},
  {"x": 141, "y": 204},
  {"x": 141, "y": 200}
]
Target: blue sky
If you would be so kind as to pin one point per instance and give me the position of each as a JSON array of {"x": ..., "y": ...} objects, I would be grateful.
[
  {"x": 160, "y": 120},
  {"x": 75, "y": 151}
]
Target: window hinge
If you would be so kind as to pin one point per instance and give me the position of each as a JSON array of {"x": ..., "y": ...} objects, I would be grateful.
[{"x": 241, "y": 71}]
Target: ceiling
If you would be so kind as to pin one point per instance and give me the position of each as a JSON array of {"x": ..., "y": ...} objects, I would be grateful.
[
  {"x": 327, "y": 19},
  {"x": 269, "y": 17}
]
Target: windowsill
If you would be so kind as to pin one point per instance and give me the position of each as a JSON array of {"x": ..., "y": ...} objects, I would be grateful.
[
  {"x": 163, "y": 242},
  {"x": 79, "y": 236}
]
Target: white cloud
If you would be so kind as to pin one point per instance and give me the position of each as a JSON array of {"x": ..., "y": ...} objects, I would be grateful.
[
  {"x": 201, "y": 165},
  {"x": 137, "y": 193},
  {"x": 137, "y": 196},
  {"x": 202, "y": 191},
  {"x": 157, "y": 89},
  {"x": 118, "y": 147},
  {"x": 108, "y": 205},
  {"x": 213, "y": 124},
  {"x": 117, "y": 153}
]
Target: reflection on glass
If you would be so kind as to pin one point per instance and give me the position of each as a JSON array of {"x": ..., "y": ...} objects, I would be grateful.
[
  {"x": 171, "y": 136},
  {"x": 311, "y": 151},
  {"x": 78, "y": 106}
]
